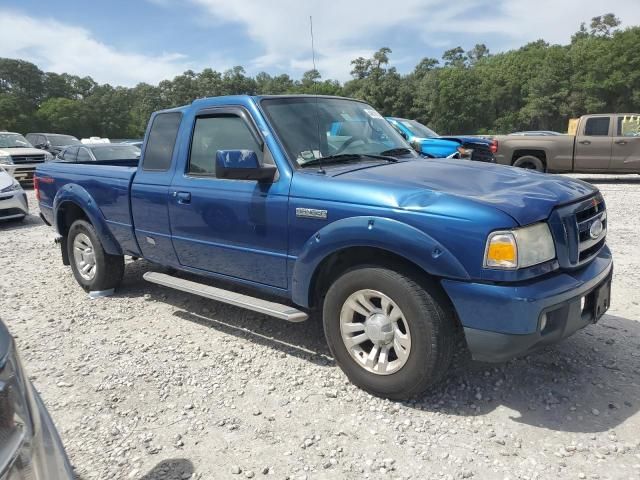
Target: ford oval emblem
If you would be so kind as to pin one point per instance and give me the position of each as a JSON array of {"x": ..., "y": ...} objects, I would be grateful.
[{"x": 596, "y": 229}]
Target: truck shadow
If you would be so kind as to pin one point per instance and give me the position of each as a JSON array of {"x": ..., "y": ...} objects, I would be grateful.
[
  {"x": 630, "y": 179},
  {"x": 170, "y": 469},
  {"x": 28, "y": 222},
  {"x": 589, "y": 383}
]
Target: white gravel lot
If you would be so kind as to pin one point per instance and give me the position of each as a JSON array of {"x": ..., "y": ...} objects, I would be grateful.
[{"x": 156, "y": 384}]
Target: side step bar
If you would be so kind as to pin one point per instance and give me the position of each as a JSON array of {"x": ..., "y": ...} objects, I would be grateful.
[{"x": 283, "y": 312}]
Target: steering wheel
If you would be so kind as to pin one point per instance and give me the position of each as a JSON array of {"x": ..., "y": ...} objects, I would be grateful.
[{"x": 346, "y": 144}]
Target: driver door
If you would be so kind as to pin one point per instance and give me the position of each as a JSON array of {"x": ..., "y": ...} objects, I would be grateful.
[{"x": 234, "y": 228}]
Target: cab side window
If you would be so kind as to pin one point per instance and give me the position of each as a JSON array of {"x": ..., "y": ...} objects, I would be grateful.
[
  {"x": 222, "y": 132},
  {"x": 83, "y": 155},
  {"x": 597, "y": 127},
  {"x": 162, "y": 139}
]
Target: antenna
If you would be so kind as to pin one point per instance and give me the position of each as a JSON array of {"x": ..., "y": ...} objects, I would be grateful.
[{"x": 313, "y": 59}]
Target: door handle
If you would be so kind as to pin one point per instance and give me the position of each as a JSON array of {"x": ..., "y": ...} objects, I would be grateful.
[
  {"x": 182, "y": 197},
  {"x": 585, "y": 142},
  {"x": 620, "y": 142}
]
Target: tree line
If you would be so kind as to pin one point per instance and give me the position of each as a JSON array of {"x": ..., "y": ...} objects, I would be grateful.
[{"x": 538, "y": 86}]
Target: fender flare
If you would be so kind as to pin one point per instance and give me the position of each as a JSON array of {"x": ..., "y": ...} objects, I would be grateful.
[
  {"x": 368, "y": 231},
  {"x": 75, "y": 194}
]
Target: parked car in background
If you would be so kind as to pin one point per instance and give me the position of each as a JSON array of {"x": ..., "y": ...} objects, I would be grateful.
[
  {"x": 13, "y": 200},
  {"x": 19, "y": 157},
  {"x": 604, "y": 143},
  {"x": 429, "y": 143},
  {"x": 536, "y": 133},
  {"x": 30, "y": 447},
  {"x": 51, "y": 142},
  {"x": 403, "y": 256},
  {"x": 99, "y": 152}
]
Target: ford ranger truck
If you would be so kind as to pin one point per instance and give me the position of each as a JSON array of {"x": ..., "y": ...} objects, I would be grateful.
[
  {"x": 604, "y": 143},
  {"x": 402, "y": 255}
]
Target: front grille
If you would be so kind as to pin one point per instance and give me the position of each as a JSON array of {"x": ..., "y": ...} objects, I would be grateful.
[
  {"x": 481, "y": 152},
  {"x": 36, "y": 158},
  {"x": 572, "y": 230}
]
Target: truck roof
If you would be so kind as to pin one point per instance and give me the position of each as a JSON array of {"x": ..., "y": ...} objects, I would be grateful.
[{"x": 244, "y": 98}]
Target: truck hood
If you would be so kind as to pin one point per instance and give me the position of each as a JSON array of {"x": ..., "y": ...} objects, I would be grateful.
[
  {"x": 525, "y": 195},
  {"x": 21, "y": 151}
]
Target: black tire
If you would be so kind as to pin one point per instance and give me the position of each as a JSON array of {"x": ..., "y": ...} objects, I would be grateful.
[
  {"x": 529, "y": 162},
  {"x": 109, "y": 269},
  {"x": 430, "y": 320}
]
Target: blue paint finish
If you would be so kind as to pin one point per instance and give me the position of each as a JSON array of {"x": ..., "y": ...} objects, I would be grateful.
[
  {"x": 516, "y": 308},
  {"x": 436, "y": 214}
]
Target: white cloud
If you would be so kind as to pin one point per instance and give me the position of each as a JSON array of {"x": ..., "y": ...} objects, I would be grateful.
[
  {"x": 58, "y": 47},
  {"x": 279, "y": 34},
  {"x": 347, "y": 29}
]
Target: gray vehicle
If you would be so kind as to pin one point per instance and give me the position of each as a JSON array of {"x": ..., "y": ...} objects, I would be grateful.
[
  {"x": 13, "y": 200},
  {"x": 98, "y": 152},
  {"x": 51, "y": 142},
  {"x": 606, "y": 143},
  {"x": 30, "y": 447}
]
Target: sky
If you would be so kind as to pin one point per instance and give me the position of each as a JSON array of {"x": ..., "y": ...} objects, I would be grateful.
[{"x": 124, "y": 42}]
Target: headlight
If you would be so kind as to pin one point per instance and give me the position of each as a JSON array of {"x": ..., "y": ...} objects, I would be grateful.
[
  {"x": 11, "y": 188},
  {"x": 5, "y": 159},
  {"x": 16, "y": 428},
  {"x": 519, "y": 248},
  {"x": 48, "y": 157}
]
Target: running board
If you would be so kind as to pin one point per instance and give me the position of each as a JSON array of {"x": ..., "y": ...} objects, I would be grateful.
[{"x": 283, "y": 312}]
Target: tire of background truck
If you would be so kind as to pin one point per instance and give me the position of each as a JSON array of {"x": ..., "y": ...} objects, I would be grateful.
[
  {"x": 529, "y": 162},
  {"x": 391, "y": 336},
  {"x": 94, "y": 269}
]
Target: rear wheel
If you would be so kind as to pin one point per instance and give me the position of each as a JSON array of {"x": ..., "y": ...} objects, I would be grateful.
[
  {"x": 93, "y": 268},
  {"x": 529, "y": 162},
  {"x": 390, "y": 335}
]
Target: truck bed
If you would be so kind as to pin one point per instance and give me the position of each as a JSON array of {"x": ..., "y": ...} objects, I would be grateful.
[{"x": 107, "y": 183}]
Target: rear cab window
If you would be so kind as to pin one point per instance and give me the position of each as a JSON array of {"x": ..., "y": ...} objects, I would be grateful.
[
  {"x": 161, "y": 141},
  {"x": 597, "y": 127}
]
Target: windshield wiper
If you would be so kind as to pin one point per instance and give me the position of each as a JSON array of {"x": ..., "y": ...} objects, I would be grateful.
[
  {"x": 346, "y": 158},
  {"x": 397, "y": 151}
]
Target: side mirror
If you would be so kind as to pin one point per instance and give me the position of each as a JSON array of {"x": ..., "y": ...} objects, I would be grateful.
[
  {"x": 242, "y": 165},
  {"x": 41, "y": 146}
]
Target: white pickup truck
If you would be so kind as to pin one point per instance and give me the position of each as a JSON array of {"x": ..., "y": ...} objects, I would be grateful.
[{"x": 604, "y": 143}]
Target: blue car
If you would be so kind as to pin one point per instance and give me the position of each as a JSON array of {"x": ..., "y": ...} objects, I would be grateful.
[{"x": 429, "y": 143}]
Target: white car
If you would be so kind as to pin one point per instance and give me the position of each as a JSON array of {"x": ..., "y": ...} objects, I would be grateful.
[
  {"x": 19, "y": 157},
  {"x": 13, "y": 200}
]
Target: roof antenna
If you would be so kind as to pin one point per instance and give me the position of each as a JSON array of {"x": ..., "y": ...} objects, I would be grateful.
[{"x": 313, "y": 59}]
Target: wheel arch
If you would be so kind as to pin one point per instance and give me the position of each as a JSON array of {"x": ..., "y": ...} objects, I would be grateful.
[
  {"x": 74, "y": 203},
  {"x": 382, "y": 241}
]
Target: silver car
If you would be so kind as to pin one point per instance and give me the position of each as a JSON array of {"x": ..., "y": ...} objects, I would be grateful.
[
  {"x": 30, "y": 447},
  {"x": 13, "y": 200}
]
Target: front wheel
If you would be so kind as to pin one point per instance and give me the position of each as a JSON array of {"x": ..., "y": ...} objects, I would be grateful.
[
  {"x": 529, "y": 162},
  {"x": 390, "y": 335},
  {"x": 93, "y": 268}
]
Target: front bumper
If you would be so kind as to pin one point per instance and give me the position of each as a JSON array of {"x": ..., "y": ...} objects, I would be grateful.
[
  {"x": 503, "y": 321},
  {"x": 13, "y": 205},
  {"x": 23, "y": 172}
]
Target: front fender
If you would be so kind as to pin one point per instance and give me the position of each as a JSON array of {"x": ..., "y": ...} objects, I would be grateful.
[
  {"x": 71, "y": 193},
  {"x": 384, "y": 233}
]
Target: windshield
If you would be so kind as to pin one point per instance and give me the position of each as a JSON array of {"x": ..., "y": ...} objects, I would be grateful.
[
  {"x": 319, "y": 127},
  {"x": 13, "y": 140},
  {"x": 63, "y": 140},
  {"x": 116, "y": 152},
  {"x": 418, "y": 129}
]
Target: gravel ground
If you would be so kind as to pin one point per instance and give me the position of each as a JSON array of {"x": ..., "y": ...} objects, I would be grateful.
[{"x": 155, "y": 384}]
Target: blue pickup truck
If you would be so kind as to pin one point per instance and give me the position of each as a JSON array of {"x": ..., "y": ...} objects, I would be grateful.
[{"x": 403, "y": 256}]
